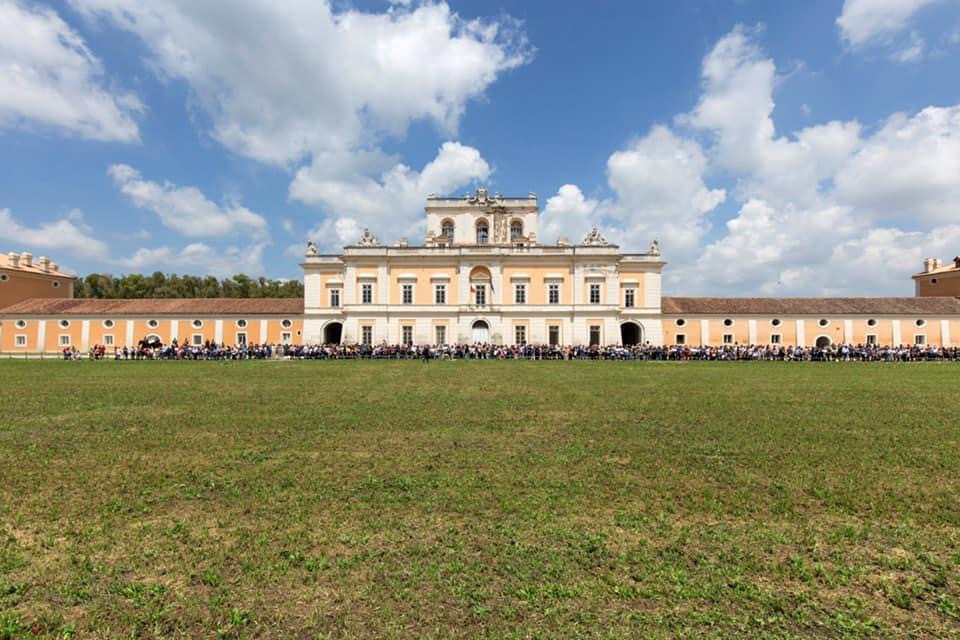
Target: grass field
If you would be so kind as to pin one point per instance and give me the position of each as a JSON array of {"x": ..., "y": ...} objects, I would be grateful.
[{"x": 479, "y": 499}]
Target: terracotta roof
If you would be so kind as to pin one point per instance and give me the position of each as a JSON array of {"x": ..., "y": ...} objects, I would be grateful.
[
  {"x": 37, "y": 270},
  {"x": 157, "y": 306},
  {"x": 812, "y": 306}
]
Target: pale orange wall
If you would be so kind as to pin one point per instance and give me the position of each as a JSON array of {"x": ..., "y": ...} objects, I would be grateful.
[
  {"x": 9, "y": 331},
  {"x": 948, "y": 284},
  {"x": 325, "y": 287},
  {"x": 836, "y": 330},
  {"x": 628, "y": 275},
  {"x": 423, "y": 285},
  {"x": 23, "y": 286},
  {"x": 536, "y": 284}
]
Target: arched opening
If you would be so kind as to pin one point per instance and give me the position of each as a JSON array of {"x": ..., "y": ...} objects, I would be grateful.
[
  {"x": 481, "y": 332},
  {"x": 630, "y": 334},
  {"x": 483, "y": 231},
  {"x": 152, "y": 341},
  {"x": 446, "y": 230},
  {"x": 516, "y": 230},
  {"x": 332, "y": 333},
  {"x": 823, "y": 341}
]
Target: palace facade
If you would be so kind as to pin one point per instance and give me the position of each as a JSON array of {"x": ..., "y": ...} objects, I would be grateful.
[{"x": 481, "y": 275}]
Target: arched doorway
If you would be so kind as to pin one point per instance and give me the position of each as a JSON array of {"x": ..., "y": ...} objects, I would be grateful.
[
  {"x": 332, "y": 333},
  {"x": 630, "y": 334},
  {"x": 481, "y": 332},
  {"x": 823, "y": 341}
]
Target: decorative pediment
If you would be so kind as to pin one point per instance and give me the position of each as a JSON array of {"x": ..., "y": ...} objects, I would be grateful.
[
  {"x": 368, "y": 240},
  {"x": 481, "y": 197},
  {"x": 594, "y": 239}
]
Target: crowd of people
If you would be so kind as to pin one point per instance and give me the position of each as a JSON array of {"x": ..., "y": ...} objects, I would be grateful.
[{"x": 217, "y": 351}]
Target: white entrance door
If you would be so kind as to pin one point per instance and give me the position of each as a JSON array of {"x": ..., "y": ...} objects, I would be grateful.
[{"x": 481, "y": 332}]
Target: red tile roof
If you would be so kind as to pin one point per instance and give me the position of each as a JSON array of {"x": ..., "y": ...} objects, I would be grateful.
[
  {"x": 156, "y": 306},
  {"x": 812, "y": 306}
]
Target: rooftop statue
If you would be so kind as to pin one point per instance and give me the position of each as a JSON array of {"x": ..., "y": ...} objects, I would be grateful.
[
  {"x": 654, "y": 248},
  {"x": 368, "y": 240},
  {"x": 594, "y": 239},
  {"x": 312, "y": 248}
]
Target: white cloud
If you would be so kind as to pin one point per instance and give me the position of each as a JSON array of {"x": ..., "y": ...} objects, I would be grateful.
[
  {"x": 393, "y": 202},
  {"x": 659, "y": 194},
  {"x": 196, "y": 257},
  {"x": 186, "y": 209},
  {"x": 909, "y": 170},
  {"x": 868, "y": 21},
  {"x": 51, "y": 80},
  {"x": 282, "y": 81},
  {"x": 69, "y": 235}
]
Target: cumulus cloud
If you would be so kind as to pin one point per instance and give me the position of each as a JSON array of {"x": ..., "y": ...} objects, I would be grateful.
[
  {"x": 186, "y": 209},
  {"x": 282, "y": 81},
  {"x": 393, "y": 201},
  {"x": 196, "y": 257},
  {"x": 658, "y": 182},
  {"x": 69, "y": 235},
  {"x": 865, "y": 21},
  {"x": 51, "y": 80},
  {"x": 833, "y": 208}
]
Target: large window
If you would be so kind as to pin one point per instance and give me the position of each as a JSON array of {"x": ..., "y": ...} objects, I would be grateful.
[
  {"x": 197, "y": 339},
  {"x": 630, "y": 298},
  {"x": 483, "y": 232},
  {"x": 872, "y": 339},
  {"x": 366, "y": 293},
  {"x": 406, "y": 334},
  {"x": 728, "y": 338},
  {"x": 520, "y": 294},
  {"x": 520, "y": 334},
  {"x": 480, "y": 294},
  {"x": 553, "y": 293},
  {"x": 64, "y": 341},
  {"x": 776, "y": 338},
  {"x": 334, "y": 297},
  {"x": 553, "y": 335},
  {"x": 108, "y": 341},
  {"x": 516, "y": 230},
  {"x": 241, "y": 338},
  {"x": 407, "y": 293},
  {"x": 920, "y": 339},
  {"x": 21, "y": 341},
  {"x": 441, "y": 334},
  {"x": 286, "y": 338},
  {"x": 595, "y": 293},
  {"x": 594, "y": 335},
  {"x": 366, "y": 334},
  {"x": 440, "y": 294},
  {"x": 447, "y": 230}
]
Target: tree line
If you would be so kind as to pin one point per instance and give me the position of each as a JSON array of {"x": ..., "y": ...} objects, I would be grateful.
[{"x": 163, "y": 285}]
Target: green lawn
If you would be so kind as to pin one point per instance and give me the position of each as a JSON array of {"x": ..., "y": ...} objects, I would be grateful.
[{"x": 469, "y": 499}]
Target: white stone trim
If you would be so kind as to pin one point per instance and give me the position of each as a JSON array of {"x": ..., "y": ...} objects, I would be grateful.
[
  {"x": 847, "y": 330},
  {"x": 42, "y": 335},
  {"x": 263, "y": 331},
  {"x": 174, "y": 330},
  {"x": 945, "y": 333},
  {"x": 84, "y": 335},
  {"x": 129, "y": 335},
  {"x": 801, "y": 333},
  {"x": 704, "y": 331},
  {"x": 752, "y": 331},
  {"x": 218, "y": 331},
  {"x": 897, "y": 337}
]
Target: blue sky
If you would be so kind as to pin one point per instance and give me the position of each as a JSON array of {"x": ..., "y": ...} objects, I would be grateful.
[{"x": 773, "y": 148}]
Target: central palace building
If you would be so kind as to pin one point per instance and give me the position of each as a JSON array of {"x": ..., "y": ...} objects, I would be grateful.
[{"x": 481, "y": 275}]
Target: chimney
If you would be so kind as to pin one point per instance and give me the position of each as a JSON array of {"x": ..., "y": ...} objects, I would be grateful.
[
  {"x": 14, "y": 259},
  {"x": 27, "y": 259},
  {"x": 54, "y": 266},
  {"x": 937, "y": 263},
  {"x": 956, "y": 262},
  {"x": 928, "y": 265},
  {"x": 44, "y": 263}
]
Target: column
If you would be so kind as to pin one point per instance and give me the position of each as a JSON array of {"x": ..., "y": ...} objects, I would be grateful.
[
  {"x": 752, "y": 331},
  {"x": 84, "y": 335},
  {"x": 383, "y": 284},
  {"x": 218, "y": 331},
  {"x": 42, "y": 336},
  {"x": 945, "y": 333},
  {"x": 801, "y": 337},
  {"x": 129, "y": 337},
  {"x": 897, "y": 338},
  {"x": 704, "y": 332},
  {"x": 174, "y": 330}
]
